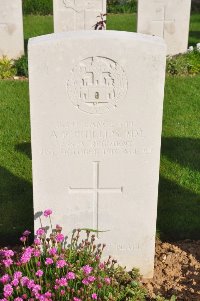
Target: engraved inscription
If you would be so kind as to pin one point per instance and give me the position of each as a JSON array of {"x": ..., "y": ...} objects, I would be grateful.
[
  {"x": 95, "y": 190},
  {"x": 97, "y": 138},
  {"x": 96, "y": 85}
]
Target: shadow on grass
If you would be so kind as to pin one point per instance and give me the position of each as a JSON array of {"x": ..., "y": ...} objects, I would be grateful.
[
  {"x": 24, "y": 148},
  {"x": 178, "y": 212},
  {"x": 26, "y": 45},
  {"x": 16, "y": 207},
  {"x": 194, "y": 35},
  {"x": 184, "y": 151},
  {"x": 179, "y": 208}
]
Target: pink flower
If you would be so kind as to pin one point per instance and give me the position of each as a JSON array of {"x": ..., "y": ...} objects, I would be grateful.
[
  {"x": 7, "y": 291},
  {"x": 23, "y": 238},
  {"x": 39, "y": 273},
  {"x": 26, "y": 233},
  {"x": 36, "y": 288},
  {"x": 85, "y": 281},
  {"x": 30, "y": 284},
  {"x": 24, "y": 281},
  {"x": 17, "y": 274},
  {"x": 71, "y": 275},
  {"x": 40, "y": 232},
  {"x": 7, "y": 262},
  {"x": 15, "y": 282},
  {"x": 48, "y": 261},
  {"x": 26, "y": 256},
  {"x": 18, "y": 299},
  {"x": 52, "y": 251},
  {"x": 37, "y": 241},
  {"x": 87, "y": 269},
  {"x": 47, "y": 212},
  {"x": 107, "y": 280},
  {"x": 48, "y": 294},
  {"x": 76, "y": 299},
  {"x": 38, "y": 264},
  {"x": 60, "y": 237},
  {"x": 91, "y": 279},
  {"x": 8, "y": 253},
  {"x": 36, "y": 253},
  {"x": 61, "y": 282},
  {"x": 5, "y": 279},
  {"x": 94, "y": 296},
  {"x": 101, "y": 266},
  {"x": 61, "y": 263},
  {"x": 58, "y": 228},
  {"x": 62, "y": 292},
  {"x": 24, "y": 296}
]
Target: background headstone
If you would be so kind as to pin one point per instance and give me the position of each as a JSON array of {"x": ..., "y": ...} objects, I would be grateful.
[
  {"x": 72, "y": 15},
  {"x": 96, "y": 118},
  {"x": 168, "y": 19},
  {"x": 11, "y": 29}
]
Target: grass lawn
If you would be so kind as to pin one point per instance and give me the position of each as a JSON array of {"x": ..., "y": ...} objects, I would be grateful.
[
  {"x": 39, "y": 25},
  {"x": 179, "y": 190}
]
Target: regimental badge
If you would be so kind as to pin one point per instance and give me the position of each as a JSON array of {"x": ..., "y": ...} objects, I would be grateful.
[{"x": 97, "y": 85}]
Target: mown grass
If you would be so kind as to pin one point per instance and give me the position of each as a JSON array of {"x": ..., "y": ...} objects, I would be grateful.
[
  {"x": 179, "y": 189},
  {"x": 39, "y": 25}
]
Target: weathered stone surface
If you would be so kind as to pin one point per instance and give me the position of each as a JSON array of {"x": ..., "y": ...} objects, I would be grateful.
[
  {"x": 77, "y": 14},
  {"x": 96, "y": 118},
  {"x": 11, "y": 29},
  {"x": 168, "y": 19}
]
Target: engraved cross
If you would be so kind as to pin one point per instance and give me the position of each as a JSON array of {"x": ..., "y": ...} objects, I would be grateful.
[
  {"x": 164, "y": 21},
  {"x": 95, "y": 190}
]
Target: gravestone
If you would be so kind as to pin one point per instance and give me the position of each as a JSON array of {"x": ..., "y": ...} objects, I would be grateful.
[
  {"x": 72, "y": 15},
  {"x": 96, "y": 119},
  {"x": 168, "y": 19},
  {"x": 11, "y": 29}
]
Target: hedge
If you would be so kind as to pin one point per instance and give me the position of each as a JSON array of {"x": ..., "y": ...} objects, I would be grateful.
[
  {"x": 38, "y": 7},
  {"x": 45, "y": 7}
]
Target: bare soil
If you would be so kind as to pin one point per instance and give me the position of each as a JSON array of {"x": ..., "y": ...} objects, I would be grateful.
[{"x": 177, "y": 271}]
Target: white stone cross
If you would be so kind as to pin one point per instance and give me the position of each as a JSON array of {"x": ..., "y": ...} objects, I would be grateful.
[
  {"x": 95, "y": 190},
  {"x": 164, "y": 21}
]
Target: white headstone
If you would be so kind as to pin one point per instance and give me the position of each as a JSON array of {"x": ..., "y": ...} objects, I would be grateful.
[
  {"x": 11, "y": 29},
  {"x": 96, "y": 118},
  {"x": 168, "y": 19},
  {"x": 72, "y": 15}
]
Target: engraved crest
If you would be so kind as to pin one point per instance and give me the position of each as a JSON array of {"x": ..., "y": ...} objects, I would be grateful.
[
  {"x": 69, "y": 3},
  {"x": 96, "y": 85},
  {"x": 79, "y": 5}
]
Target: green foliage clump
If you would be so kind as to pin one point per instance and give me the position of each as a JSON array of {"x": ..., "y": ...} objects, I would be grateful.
[
  {"x": 21, "y": 66},
  {"x": 121, "y": 6},
  {"x": 184, "y": 64},
  {"x": 38, "y": 7},
  {"x": 7, "y": 68}
]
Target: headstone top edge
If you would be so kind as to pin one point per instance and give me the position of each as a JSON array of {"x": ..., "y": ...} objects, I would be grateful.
[{"x": 107, "y": 34}]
